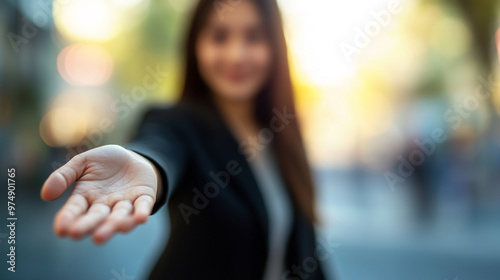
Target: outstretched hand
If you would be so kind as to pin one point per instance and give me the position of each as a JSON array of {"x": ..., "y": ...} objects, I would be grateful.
[{"x": 115, "y": 190}]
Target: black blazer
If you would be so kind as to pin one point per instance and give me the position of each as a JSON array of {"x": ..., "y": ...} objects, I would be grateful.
[{"x": 222, "y": 233}]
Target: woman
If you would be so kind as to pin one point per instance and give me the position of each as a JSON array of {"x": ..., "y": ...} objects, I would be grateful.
[{"x": 228, "y": 160}]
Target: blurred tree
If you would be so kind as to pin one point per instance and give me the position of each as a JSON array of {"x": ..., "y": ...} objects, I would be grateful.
[{"x": 481, "y": 15}]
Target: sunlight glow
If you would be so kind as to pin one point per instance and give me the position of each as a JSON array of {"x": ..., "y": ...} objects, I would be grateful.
[
  {"x": 84, "y": 65},
  {"x": 87, "y": 19}
]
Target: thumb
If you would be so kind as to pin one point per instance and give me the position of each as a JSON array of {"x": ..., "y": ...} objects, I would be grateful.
[{"x": 60, "y": 180}]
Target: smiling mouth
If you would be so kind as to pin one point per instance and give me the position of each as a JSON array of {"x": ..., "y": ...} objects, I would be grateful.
[{"x": 236, "y": 77}]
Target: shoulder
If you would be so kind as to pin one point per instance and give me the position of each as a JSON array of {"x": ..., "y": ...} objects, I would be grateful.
[
  {"x": 195, "y": 114},
  {"x": 164, "y": 113},
  {"x": 175, "y": 116}
]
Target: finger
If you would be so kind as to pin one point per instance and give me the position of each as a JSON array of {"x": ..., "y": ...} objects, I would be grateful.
[
  {"x": 83, "y": 225},
  {"x": 75, "y": 206},
  {"x": 120, "y": 220},
  {"x": 143, "y": 206},
  {"x": 60, "y": 180}
]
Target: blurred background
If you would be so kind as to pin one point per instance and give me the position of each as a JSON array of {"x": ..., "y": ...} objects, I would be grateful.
[{"x": 399, "y": 106}]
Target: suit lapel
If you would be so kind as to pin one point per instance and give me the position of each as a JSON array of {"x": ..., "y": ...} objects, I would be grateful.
[
  {"x": 245, "y": 185},
  {"x": 225, "y": 149}
]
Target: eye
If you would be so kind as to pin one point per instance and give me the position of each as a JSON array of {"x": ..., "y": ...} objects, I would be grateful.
[
  {"x": 255, "y": 36},
  {"x": 219, "y": 36}
]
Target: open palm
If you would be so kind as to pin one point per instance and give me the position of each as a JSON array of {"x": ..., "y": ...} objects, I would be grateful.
[{"x": 115, "y": 190}]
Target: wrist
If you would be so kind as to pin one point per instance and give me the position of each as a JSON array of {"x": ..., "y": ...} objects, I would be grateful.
[{"x": 156, "y": 172}]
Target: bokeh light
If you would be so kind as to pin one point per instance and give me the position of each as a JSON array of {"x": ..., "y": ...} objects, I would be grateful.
[
  {"x": 87, "y": 19},
  {"x": 63, "y": 126},
  {"x": 97, "y": 20},
  {"x": 84, "y": 65},
  {"x": 73, "y": 114}
]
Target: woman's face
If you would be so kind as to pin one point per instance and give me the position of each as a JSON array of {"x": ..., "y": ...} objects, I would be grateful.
[{"x": 234, "y": 53}]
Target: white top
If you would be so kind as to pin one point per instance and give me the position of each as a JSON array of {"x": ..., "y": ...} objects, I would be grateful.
[{"x": 279, "y": 211}]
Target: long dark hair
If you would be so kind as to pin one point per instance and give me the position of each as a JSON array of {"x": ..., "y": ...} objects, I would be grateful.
[{"x": 277, "y": 94}]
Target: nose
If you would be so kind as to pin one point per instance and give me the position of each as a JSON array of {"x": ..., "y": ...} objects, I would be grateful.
[{"x": 236, "y": 51}]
